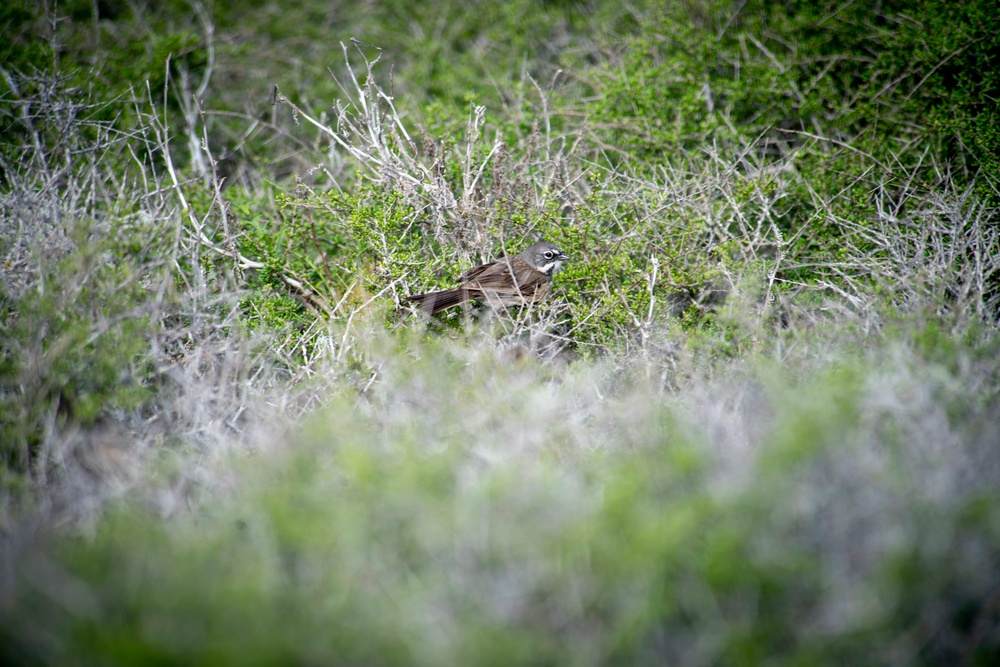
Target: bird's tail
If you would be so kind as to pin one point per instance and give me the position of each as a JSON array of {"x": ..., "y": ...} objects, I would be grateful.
[{"x": 433, "y": 303}]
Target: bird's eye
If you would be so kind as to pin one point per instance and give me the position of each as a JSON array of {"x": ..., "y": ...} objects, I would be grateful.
[{"x": 549, "y": 254}]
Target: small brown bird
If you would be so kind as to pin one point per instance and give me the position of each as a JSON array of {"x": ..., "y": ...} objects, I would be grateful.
[{"x": 508, "y": 281}]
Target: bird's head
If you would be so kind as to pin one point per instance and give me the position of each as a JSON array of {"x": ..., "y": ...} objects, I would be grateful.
[{"x": 545, "y": 256}]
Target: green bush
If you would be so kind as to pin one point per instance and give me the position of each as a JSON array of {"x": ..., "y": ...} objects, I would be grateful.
[
  {"x": 439, "y": 522},
  {"x": 76, "y": 341},
  {"x": 878, "y": 77}
]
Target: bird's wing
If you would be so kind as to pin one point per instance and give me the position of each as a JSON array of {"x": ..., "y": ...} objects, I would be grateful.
[
  {"x": 488, "y": 275},
  {"x": 530, "y": 281},
  {"x": 477, "y": 272},
  {"x": 497, "y": 278}
]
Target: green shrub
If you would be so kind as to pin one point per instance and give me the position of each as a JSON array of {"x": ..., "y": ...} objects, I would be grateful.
[
  {"x": 76, "y": 340},
  {"x": 442, "y": 522}
]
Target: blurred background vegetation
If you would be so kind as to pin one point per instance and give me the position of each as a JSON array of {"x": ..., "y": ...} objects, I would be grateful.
[{"x": 756, "y": 422}]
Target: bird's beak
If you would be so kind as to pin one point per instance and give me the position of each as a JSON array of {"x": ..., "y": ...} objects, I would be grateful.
[{"x": 563, "y": 257}]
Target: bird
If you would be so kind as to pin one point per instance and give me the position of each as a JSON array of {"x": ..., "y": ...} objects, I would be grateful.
[{"x": 508, "y": 281}]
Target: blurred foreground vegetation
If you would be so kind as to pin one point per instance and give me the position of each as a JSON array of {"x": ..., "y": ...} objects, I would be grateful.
[{"x": 757, "y": 422}]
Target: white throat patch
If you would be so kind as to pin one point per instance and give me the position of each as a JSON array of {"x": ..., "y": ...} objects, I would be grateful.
[{"x": 551, "y": 267}]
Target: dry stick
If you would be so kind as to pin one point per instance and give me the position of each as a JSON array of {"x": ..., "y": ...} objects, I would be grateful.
[
  {"x": 216, "y": 183},
  {"x": 364, "y": 157},
  {"x": 475, "y": 124},
  {"x": 938, "y": 66},
  {"x": 652, "y": 286},
  {"x": 477, "y": 115},
  {"x": 836, "y": 143},
  {"x": 773, "y": 273}
]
